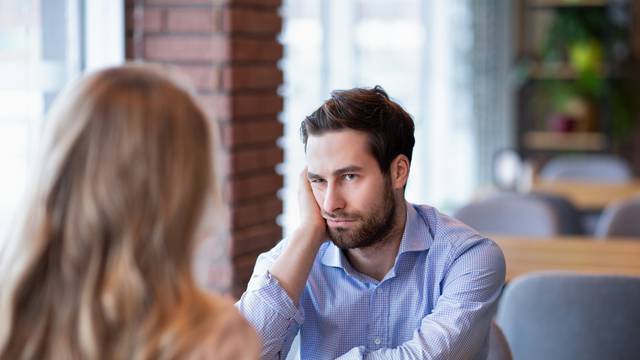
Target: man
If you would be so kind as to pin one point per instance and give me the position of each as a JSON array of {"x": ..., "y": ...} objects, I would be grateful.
[{"x": 396, "y": 280}]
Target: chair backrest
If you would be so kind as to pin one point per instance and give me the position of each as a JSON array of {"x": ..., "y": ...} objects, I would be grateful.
[
  {"x": 571, "y": 316},
  {"x": 570, "y": 218},
  {"x": 599, "y": 168},
  {"x": 621, "y": 218},
  {"x": 498, "y": 345},
  {"x": 512, "y": 214}
]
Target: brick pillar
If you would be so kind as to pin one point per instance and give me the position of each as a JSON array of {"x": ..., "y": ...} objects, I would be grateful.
[{"x": 229, "y": 49}]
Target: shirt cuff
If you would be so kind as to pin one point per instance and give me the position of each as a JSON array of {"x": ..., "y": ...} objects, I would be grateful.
[{"x": 268, "y": 289}]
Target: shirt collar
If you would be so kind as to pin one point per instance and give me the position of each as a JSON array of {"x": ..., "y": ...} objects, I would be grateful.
[{"x": 416, "y": 237}]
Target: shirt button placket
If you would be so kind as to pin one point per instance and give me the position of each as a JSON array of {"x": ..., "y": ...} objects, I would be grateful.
[{"x": 377, "y": 316}]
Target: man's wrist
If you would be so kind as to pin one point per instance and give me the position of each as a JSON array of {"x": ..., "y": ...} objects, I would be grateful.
[{"x": 313, "y": 234}]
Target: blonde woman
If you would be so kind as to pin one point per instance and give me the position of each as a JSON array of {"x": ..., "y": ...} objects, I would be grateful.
[{"x": 104, "y": 269}]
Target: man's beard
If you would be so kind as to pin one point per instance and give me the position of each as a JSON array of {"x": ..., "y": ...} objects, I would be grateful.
[{"x": 375, "y": 229}]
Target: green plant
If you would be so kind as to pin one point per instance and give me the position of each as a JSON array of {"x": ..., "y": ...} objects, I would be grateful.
[{"x": 585, "y": 38}]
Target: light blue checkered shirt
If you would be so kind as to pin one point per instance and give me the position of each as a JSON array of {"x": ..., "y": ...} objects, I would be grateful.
[{"x": 436, "y": 302}]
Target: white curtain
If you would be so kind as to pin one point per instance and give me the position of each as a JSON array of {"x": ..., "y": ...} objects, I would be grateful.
[
  {"x": 43, "y": 45},
  {"x": 440, "y": 59}
]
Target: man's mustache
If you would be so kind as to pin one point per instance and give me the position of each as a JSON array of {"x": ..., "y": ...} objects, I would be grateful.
[{"x": 344, "y": 216}]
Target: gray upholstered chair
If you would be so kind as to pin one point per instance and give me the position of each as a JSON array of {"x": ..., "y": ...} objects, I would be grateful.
[
  {"x": 510, "y": 214},
  {"x": 498, "y": 345},
  {"x": 600, "y": 168},
  {"x": 570, "y": 218},
  {"x": 621, "y": 218},
  {"x": 561, "y": 316}
]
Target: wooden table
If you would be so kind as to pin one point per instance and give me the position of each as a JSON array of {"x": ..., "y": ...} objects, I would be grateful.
[
  {"x": 579, "y": 254},
  {"x": 589, "y": 196}
]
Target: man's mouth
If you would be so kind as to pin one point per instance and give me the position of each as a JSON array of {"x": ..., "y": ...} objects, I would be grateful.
[{"x": 338, "y": 222}]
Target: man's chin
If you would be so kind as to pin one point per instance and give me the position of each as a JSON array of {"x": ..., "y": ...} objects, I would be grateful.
[
  {"x": 341, "y": 237},
  {"x": 346, "y": 239}
]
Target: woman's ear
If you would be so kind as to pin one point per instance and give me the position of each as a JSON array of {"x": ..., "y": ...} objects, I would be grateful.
[{"x": 399, "y": 171}]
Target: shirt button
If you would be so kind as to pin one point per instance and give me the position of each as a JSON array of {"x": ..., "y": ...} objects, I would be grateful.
[{"x": 377, "y": 341}]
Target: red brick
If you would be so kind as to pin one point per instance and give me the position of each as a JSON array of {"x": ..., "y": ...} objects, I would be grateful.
[
  {"x": 219, "y": 277},
  {"x": 253, "y": 159},
  {"x": 203, "y": 77},
  {"x": 179, "y": 2},
  {"x": 244, "y": 49},
  {"x": 251, "y": 21},
  {"x": 256, "y": 104},
  {"x": 130, "y": 48},
  {"x": 243, "y": 268},
  {"x": 251, "y": 77},
  {"x": 152, "y": 19},
  {"x": 261, "y": 3},
  {"x": 251, "y": 187},
  {"x": 247, "y": 133},
  {"x": 186, "y": 48},
  {"x": 229, "y": 50},
  {"x": 217, "y": 107},
  {"x": 226, "y": 107},
  {"x": 220, "y": 105},
  {"x": 258, "y": 238},
  {"x": 192, "y": 20},
  {"x": 211, "y": 264},
  {"x": 256, "y": 212},
  {"x": 129, "y": 18}
]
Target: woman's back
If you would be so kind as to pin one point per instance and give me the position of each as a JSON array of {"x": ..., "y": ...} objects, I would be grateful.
[{"x": 104, "y": 269}]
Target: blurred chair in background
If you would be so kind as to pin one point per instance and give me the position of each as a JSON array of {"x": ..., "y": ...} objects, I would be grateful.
[
  {"x": 498, "y": 345},
  {"x": 511, "y": 213},
  {"x": 571, "y": 316},
  {"x": 597, "y": 168},
  {"x": 570, "y": 218},
  {"x": 621, "y": 218}
]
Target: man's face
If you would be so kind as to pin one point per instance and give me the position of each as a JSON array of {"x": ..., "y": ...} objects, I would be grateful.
[{"x": 355, "y": 197}]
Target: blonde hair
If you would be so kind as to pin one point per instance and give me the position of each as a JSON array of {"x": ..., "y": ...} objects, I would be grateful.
[{"x": 107, "y": 250}]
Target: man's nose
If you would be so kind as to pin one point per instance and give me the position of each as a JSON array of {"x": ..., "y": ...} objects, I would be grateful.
[{"x": 333, "y": 199}]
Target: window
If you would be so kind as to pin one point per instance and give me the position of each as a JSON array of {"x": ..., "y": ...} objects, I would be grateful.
[
  {"x": 43, "y": 45},
  {"x": 413, "y": 49}
]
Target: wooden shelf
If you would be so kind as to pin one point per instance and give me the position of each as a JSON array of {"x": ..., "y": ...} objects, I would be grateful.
[
  {"x": 566, "y": 3},
  {"x": 559, "y": 71},
  {"x": 558, "y": 141}
]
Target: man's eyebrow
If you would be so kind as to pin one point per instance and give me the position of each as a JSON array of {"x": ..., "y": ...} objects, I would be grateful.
[
  {"x": 341, "y": 171},
  {"x": 312, "y": 176},
  {"x": 346, "y": 170}
]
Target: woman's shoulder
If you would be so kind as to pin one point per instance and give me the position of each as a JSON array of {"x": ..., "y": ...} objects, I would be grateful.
[{"x": 231, "y": 336}]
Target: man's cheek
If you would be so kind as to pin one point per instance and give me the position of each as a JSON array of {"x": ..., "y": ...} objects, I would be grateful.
[{"x": 318, "y": 196}]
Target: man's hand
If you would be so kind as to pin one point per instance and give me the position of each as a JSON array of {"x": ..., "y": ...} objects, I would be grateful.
[
  {"x": 311, "y": 220},
  {"x": 294, "y": 263}
]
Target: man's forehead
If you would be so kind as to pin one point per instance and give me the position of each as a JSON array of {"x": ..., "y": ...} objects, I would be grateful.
[{"x": 338, "y": 149}]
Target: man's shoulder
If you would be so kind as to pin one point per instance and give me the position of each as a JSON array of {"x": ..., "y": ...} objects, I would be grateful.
[
  {"x": 455, "y": 240},
  {"x": 448, "y": 231}
]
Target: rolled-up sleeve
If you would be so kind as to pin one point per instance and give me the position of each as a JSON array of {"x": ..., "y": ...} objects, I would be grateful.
[{"x": 269, "y": 309}]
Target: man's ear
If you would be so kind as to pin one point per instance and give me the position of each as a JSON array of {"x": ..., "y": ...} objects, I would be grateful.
[{"x": 399, "y": 171}]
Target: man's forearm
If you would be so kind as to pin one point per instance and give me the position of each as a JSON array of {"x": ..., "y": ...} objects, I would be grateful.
[{"x": 292, "y": 267}]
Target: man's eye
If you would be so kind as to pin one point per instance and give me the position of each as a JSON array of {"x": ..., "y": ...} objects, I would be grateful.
[
  {"x": 350, "y": 177},
  {"x": 316, "y": 181}
]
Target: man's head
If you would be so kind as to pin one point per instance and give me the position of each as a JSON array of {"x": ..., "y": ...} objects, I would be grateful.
[
  {"x": 358, "y": 146},
  {"x": 388, "y": 127}
]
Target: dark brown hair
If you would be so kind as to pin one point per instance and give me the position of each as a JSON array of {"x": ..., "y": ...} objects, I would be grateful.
[{"x": 388, "y": 126}]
